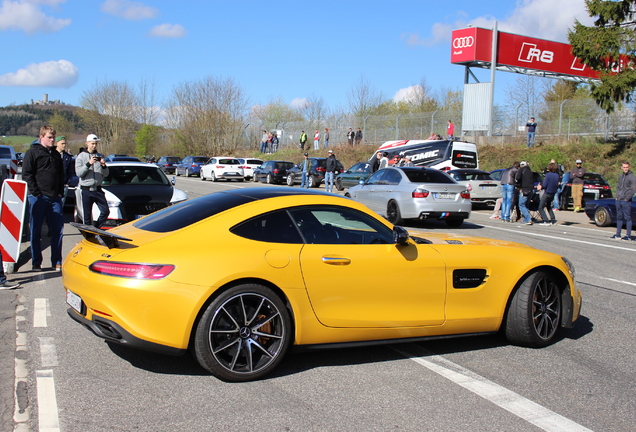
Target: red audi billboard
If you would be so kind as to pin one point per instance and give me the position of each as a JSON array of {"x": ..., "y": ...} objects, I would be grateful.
[{"x": 473, "y": 45}]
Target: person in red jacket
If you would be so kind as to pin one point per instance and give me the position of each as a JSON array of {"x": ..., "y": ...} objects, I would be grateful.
[{"x": 450, "y": 130}]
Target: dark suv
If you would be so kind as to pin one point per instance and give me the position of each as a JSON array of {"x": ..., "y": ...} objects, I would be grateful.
[
  {"x": 594, "y": 187},
  {"x": 272, "y": 172},
  {"x": 168, "y": 164},
  {"x": 316, "y": 175}
]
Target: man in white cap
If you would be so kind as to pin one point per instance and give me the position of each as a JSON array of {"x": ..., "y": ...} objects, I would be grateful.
[{"x": 91, "y": 168}]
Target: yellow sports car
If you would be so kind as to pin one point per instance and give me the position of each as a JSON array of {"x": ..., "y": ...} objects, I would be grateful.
[{"x": 239, "y": 276}]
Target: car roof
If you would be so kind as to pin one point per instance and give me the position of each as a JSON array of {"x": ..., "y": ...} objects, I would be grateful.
[{"x": 131, "y": 163}]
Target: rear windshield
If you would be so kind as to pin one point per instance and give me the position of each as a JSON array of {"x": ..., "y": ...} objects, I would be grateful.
[
  {"x": 253, "y": 161},
  {"x": 5, "y": 153},
  {"x": 594, "y": 179},
  {"x": 423, "y": 175},
  {"x": 470, "y": 175},
  {"x": 172, "y": 159},
  {"x": 230, "y": 161},
  {"x": 284, "y": 165},
  {"x": 199, "y": 159}
]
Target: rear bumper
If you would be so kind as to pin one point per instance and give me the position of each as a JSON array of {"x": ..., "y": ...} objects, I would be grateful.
[
  {"x": 113, "y": 332},
  {"x": 443, "y": 215}
]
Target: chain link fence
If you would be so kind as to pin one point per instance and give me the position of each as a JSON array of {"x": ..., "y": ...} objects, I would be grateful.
[{"x": 562, "y": 120}]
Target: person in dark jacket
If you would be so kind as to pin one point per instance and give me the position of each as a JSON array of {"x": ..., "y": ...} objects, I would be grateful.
[
  {"x": 507, "y": 191},
  {"x": 624, "y": 192},
  {"x": 331, "y": 166},
  {"x": 550, "y": 185},
  {"x": 43, "y": 171},
  {"x": 67, "y": 159},
  {"x": 375, "y": 162},
  {"x": 576, "y": 175},
  {"x": 525, "y": 183}
]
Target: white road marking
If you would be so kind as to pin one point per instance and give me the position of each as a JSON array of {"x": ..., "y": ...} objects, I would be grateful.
[
  {"x": 47, "y": 402},
  {"x": 21, "y": 410},
  {"x": 48, "y": 353},
  {"x": 619, "y": 281},
  {"x": 563, "y": 238},
  {"x": 498, "y": 395},
  {"x": 40, "y": 308}
]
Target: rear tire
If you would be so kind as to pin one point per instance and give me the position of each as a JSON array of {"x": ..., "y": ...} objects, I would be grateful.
[
  {"x": 243, "y": 333},
  {"x": 187, "y": 173},
  {"x": 313, "y": 182},
  {"x": 268, "y": 179},
  {"x": 534, "y": 314},
  {"x": 214, "y": 179},
  {"x": 602, "y": 217},
  {"x": 393, "y": 214},
  {"x": 339, "y": 185}
]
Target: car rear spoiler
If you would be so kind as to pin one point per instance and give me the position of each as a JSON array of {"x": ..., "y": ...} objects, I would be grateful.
[{"x": 105, "y": 238}]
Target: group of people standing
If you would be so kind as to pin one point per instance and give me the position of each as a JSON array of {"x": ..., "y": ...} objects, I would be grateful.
[
  {"x": 47, "y": 167},
  {"x": 351, "y": 138},
  {"x": 269, "y": 142}
]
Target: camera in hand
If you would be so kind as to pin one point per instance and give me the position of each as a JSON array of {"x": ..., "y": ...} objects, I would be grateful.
[{"x": 97, "y": 156}]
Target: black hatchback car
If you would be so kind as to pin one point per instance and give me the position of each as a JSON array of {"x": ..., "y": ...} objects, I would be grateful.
[
  {"x": 595, "y": 187},
  {"x": 168, "y": 164},
  {"x": 272, "y": 172},
  {"x": 316, "y": 175}
]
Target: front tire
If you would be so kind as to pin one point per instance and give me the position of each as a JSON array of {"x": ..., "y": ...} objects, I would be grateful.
[
  {"x": 602, "y": 217},
  {"x": 313, "y": 182},
  {"x": 393, "y": 213},
  {"x": 290, "y": 180},
  {"x": 187, "y": 173},
  {"x": 243, "y": 334},
  {"x": 534, "y": 314},
  {"x": 202, "y": 176}
]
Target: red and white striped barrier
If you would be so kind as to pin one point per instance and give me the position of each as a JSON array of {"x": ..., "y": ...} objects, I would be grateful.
[
  {"x": 13, "y": 168},
  {"x": 13, "y": 207}
]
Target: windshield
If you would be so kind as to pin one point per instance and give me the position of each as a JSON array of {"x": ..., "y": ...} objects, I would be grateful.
[{"x": 129, "y": 175}]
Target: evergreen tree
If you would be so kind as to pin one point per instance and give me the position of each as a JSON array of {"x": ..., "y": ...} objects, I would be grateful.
[{"x": 608, "y": 47}]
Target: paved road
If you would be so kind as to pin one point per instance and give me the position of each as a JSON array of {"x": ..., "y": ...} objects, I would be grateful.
[{"x": 585, "y": 380}]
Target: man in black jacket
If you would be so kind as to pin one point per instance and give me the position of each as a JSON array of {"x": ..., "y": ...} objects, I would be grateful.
[
  {"x": 625, "y": 190},
  {"x": 525, "y": 183},
  {"x": 43, "y": 172}
]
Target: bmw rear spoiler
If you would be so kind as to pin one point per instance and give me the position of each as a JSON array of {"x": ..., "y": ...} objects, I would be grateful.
[{"x": 103, "y": 237}]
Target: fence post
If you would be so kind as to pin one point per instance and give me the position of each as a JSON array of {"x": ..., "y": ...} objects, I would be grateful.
[
  {"x": 397, "y": 127},
  {"x": 433, "y": 120},
  {"x": 561, "y": 116}
]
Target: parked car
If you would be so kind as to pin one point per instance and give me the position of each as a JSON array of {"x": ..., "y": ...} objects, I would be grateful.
[
  {"x": 322, "y": 269},
  {"x": 133, "y": 189},
  {"x": 190, "y": 165},
  {"x": 248, "y": 165},
  {"x": 222, "y": 168},
  {"x": 595, "y": 187},
  {"x": 405, "y": 193},
  {"x": 8, "y": 162},
  {"x": 114, "y": 155},
  {"x": 351, "y": 177},
  {"x": 273, "y": 171},
  {"x": 603, "y": 211},
  {"x": 168, "y": 164},
  {"x": 19, "y": 156},
  {"x": 122, "y": 159},
  {"x": 316, "y": 174},
  {"x": 483, "y": 188}
]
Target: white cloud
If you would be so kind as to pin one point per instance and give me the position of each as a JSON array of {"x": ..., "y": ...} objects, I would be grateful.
[
  {"x": 130, "y": 10},
  {"x": 27, "y": 16},
  {"x": 543, "y": 19},
  {"x": 168, "y": 31},
  {"x": 408, "y": 94},
  {"x": 61, "y": 73},
  {"x": 299, "y": 103}
]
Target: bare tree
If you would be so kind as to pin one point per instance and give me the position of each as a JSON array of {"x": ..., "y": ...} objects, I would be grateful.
[
  {"x": 526, "y": 94},
  {"x": 362, "y": 98},
  {"x": 315, "y": 112},
  {"x": 108, "y": 109},
  {"x": 207, "y": 116},
  {"x": 147, "y": 111}
]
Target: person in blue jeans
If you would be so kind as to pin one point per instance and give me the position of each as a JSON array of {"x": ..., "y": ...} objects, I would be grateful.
[
  {"x": 532, "y": 127},
  {"x": 624, "y": 192},
  {"x": 525, "y": 182},
  {"x": 508, "y": 190},
  {"x": 306, "y": 169},
  {"x": 43, "y": 172},
  {"x": 4, "y": 283},
  {"x": 549, "y": 186}
]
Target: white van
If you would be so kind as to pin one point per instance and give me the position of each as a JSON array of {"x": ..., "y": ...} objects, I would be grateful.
[
  {"x": 8, "y": 162},
  {"x": 443, "y": 154}
]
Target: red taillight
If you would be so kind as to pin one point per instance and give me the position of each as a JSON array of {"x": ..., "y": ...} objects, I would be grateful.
[
  {"x": 275, "y": 171},
  {"x": 321, "y": 169},
  {"x": 129, "y": 270},
  {"x": 465, "y": 194},
  {"x": 420, "y": 193},
  {"x": 446, "y": 169},
  {"x": 220, "y": 166},
  {"x": 606, "y": 187}
]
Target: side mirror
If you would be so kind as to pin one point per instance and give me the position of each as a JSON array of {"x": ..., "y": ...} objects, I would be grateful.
[
  {"x": 361, "y": 182},
  {"x": 400, "y": 236}
]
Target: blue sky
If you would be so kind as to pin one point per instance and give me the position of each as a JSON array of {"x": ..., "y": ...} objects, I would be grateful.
[{"x": 292, "y": 50}]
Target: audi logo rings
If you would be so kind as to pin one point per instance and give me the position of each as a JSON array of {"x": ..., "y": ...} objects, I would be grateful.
[{"x": 463, "y": 42}]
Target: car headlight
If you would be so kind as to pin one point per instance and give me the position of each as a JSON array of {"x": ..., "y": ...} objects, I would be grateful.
[{"x": 570, "y": 267}]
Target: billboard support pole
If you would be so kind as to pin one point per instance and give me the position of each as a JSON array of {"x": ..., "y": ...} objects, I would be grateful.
[{"x": 493, "y": 68}]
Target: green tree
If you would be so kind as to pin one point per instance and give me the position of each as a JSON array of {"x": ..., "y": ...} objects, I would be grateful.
[
  {"x": 145, "y": 139},
  {"x": 61, "y": 124},
  {"x": 605, "y": 47}
]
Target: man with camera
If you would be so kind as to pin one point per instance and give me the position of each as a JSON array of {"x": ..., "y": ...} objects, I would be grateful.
[{"x": 91, "y": 168}]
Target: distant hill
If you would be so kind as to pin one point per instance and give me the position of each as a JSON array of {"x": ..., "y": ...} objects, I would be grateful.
[{"x": 27, "y": 119}]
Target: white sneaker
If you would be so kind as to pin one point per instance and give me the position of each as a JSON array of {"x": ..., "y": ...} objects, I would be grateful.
[{"x": 9, "y": 285}]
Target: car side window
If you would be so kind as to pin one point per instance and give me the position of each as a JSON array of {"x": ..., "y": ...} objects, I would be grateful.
[
  {"x": 274, "y": 227},
  {"x": 376, "y": 178},
  {"x": 339, "y": 225},
  {"x": 392, "y": 177}
]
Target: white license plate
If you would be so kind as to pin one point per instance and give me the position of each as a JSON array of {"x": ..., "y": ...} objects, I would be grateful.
[
  {"x": 74, "y": 301},
  {"x": 444, "y": 195}
]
